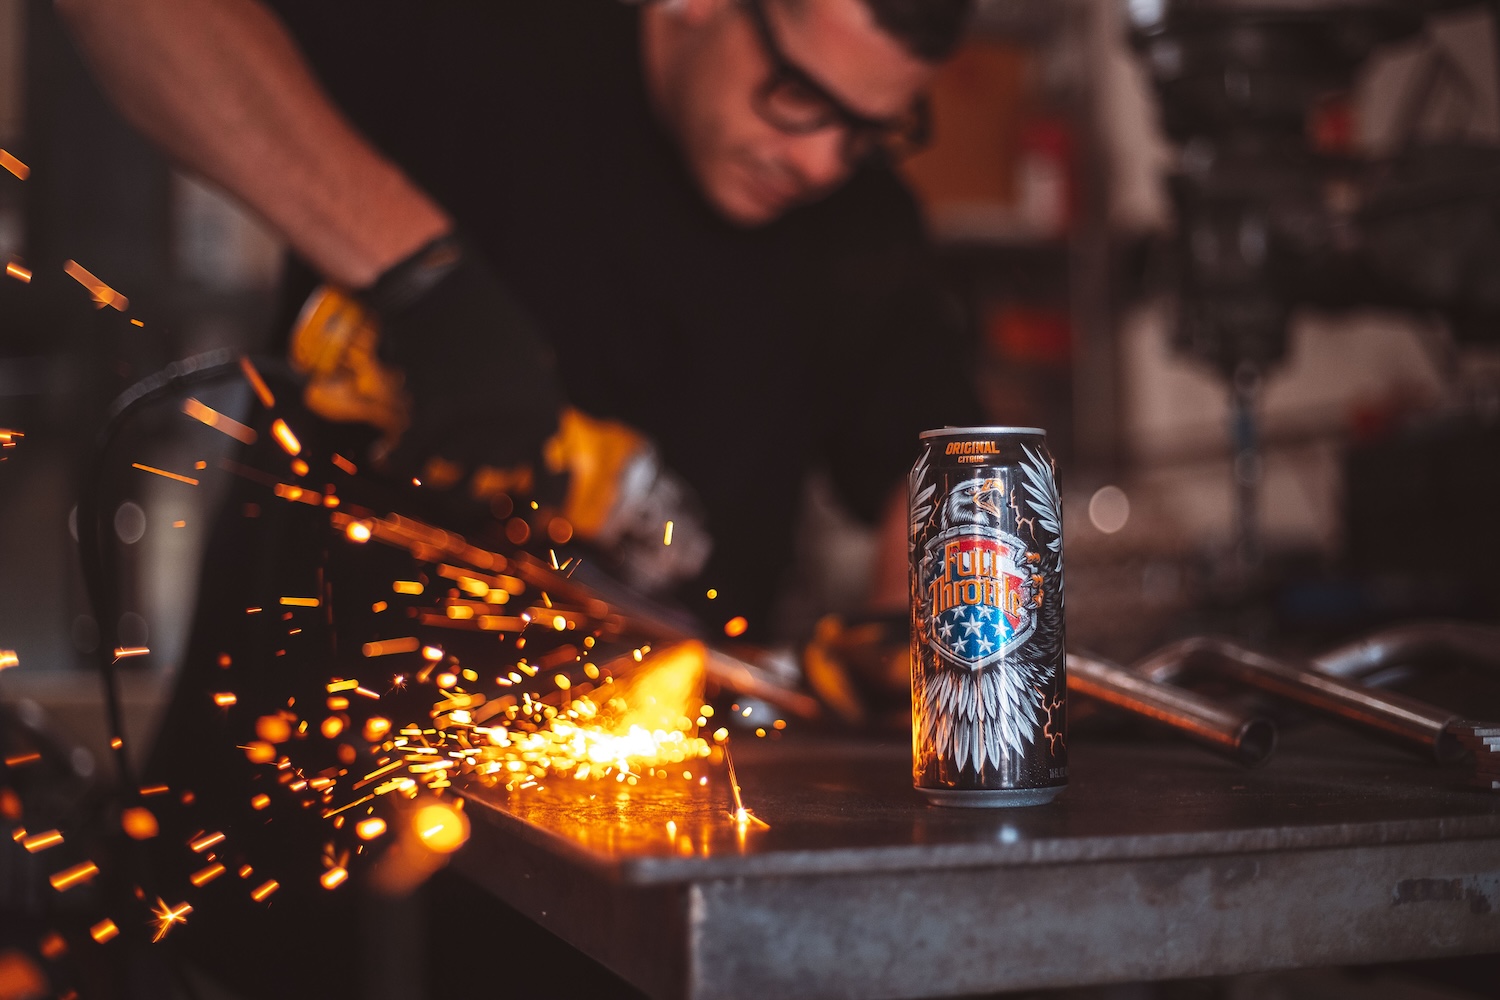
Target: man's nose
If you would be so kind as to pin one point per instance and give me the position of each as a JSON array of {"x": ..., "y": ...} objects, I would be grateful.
[{"x": 818, "y": 158}]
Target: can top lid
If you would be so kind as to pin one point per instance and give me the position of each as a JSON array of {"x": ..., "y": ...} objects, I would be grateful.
[{"x": 964, "y": 431}]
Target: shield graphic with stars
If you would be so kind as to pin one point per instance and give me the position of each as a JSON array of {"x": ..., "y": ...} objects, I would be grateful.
[{"x": 980, "y": 601}]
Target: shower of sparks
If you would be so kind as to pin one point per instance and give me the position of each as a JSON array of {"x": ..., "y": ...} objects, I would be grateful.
[
  {"x": 211, "y": 417},
  {"x": 15, "y": 166},
  {"x": 168, "y": 916},
  {"x": 102, "y": 293},
  {"x": 162, "y": 472},
  {"x": 576, "y": 707}
]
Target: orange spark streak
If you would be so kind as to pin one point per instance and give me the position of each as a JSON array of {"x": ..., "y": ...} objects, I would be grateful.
[
  {"x": 155, "y": 790},
  {"x": 162, "y": 472},
  {"x": 17, "y": 271},
  {"x": 206, "y": 875},
  {"x": 126, "y": 652},
  {"x": 8, "y": 659},
  {"x": 385, "y": 647},
  {"x": 262, "y": 891},
  {"x": 336, "y": 686},
  {"x": 22, "y": 758},
  {"x": 213, "y": 418},
  {"x": 102, "y": 293},
  {"x": 42, "y": 841},
  {"x": 69, "y": 877},
  {"x": 206, "y": 841},
  {"x": 262, "y": 391},
  {"x": 104, "y": 930},
  {"x": 300, "y": 602},
  {"x": 344, "y": 463},
  {"x": 333, "y": 877},
  {"x": 284, "y": 437},
  {"x": 357, "y": 802},
  {"x": 225, "y": 698},
  {"x": 15, "y": 166}
]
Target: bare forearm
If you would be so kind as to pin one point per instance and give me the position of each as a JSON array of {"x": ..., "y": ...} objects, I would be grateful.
[{"x": 221, "y": 87}]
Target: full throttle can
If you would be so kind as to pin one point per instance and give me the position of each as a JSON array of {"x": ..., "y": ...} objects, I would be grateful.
[{"x": 988, "y": 677}]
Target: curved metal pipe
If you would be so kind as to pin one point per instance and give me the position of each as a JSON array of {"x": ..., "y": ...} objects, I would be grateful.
[
  {"x": 1407, "y": 720},
  {"x": 1247, "y": 739},
  {"x": 1412, "y": 643}
]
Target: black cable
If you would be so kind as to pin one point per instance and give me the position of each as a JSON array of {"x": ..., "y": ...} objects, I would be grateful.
[{"x": 97, "y": 559}]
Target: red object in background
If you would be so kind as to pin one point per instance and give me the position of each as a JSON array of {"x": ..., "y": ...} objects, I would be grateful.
[
  {"x": 1331, "y": 125},
  {"x": 1046, "y": 182},
  {"x": 1030, "y": 334}
]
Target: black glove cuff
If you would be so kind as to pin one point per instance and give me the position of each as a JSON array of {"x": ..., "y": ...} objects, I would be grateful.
[{"x": 409, "y": 279}]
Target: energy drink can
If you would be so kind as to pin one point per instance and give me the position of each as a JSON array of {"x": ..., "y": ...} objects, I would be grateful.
[{"x": 988, "y": 675}]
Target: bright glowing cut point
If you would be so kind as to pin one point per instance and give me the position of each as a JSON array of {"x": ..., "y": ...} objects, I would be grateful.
[{"x": 284, "y": 437}]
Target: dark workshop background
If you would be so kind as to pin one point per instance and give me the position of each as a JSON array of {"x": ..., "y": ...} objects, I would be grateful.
[{"x": 1047, "y": 194}]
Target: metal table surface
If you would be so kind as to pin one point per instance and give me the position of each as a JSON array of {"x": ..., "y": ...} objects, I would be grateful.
[{"x": 1160, "y": 861}]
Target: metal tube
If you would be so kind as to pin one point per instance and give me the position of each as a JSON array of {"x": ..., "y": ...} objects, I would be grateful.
[
  {"x": 1412, "y": 722},
  {"x": 1406, "y": 644},
  {"x": 1248, "y": 739}
]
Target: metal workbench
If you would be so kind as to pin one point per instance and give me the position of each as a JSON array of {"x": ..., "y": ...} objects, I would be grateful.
[{"x": 1160, "y": 861}]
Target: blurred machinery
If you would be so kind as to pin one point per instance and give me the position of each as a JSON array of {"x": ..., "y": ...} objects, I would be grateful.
[{"x": 1278, "y": 209}]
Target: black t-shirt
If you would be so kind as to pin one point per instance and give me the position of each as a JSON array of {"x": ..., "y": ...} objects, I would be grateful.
[{"x": 750, "y": 356}]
